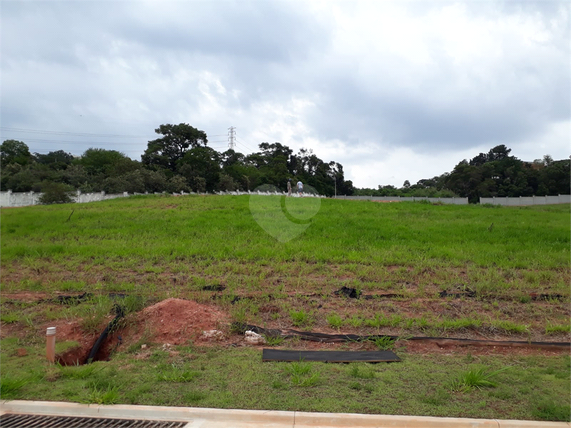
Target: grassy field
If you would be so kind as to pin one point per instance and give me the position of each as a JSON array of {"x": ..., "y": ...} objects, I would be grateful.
[
  {"x": 159, "y": 229},
  {"x": 155, "y": 247}
]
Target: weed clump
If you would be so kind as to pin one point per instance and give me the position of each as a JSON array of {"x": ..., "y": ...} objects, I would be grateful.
[{"x": 476, "y": 379}]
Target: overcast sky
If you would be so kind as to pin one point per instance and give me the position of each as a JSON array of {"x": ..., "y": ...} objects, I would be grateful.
[{"x": 391, "y": 90}]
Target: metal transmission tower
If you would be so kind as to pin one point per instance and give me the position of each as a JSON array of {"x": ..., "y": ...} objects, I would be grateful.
[{"x": 231, "y": 137}]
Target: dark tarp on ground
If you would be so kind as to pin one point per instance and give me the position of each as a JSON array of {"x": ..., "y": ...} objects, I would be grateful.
[{"x": 330, "y": 356}]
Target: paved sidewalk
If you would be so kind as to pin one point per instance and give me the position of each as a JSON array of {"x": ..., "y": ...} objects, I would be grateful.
[{"x": 196, "y": 417}]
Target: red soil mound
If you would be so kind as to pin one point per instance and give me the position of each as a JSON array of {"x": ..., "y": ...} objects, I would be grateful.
[
  {"x": 172, "y": 321},
  {"x": 175, "y": 321}
]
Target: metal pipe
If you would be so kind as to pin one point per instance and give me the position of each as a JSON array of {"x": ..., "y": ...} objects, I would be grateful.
[{"x": 51, "y": 344}]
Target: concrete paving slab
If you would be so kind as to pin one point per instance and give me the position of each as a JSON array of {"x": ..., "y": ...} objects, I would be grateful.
[{"x": 198, "y": 417}]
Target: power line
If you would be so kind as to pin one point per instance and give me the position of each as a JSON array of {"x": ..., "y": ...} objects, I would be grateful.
[
  {"x": 77, "y": 134},
  {"x": 87, "y": 134},
  {"x": 44, "y": 141},
  {"x": 245, "y": 146}
]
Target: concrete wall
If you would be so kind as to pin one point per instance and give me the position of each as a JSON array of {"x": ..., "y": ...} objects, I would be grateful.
[
  {"x": 455, "y": 201},
  {"x": 23, "y": 199},
  {"x": 9, "y": 199},
  {"x": 527, "y": 200}
]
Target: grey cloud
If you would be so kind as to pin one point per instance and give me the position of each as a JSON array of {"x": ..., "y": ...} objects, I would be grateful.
[
  {"x": 418, "y": 122},
  {"x": 63, "y": 59},
  {"x": 262, "y": 31}
]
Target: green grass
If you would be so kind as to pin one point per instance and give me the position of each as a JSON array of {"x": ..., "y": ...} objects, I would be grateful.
[
  {"x": 548, "y": 410},
  {"x": 78, "y": 371},
  {"x": 10, "y": 385},
  {"x": 384, "y": 343},
  {"x": 334, "y": 320},
  {"x": 237, "y": 378},
  {"x": 386, "y": 234},
  {"x": 154, "y": 247},
  {"x": 9, "y": 317},
  {"x": 476, "y": 378},
  {"x": 554, "y": 329},
  {"x": 300, "y": 318}
]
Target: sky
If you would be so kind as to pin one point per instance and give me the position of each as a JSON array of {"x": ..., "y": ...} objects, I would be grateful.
[{"x": 392, "y": 90}]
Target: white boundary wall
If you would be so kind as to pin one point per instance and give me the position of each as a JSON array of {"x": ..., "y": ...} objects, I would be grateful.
[
  {"x": 454, "y": 201},
  {"x": 527, "y": 200},
  {"x": 24, "y": 199}
]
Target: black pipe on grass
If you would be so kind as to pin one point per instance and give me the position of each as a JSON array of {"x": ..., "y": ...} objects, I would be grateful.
[
  {"x": 119, "y": 313},
  {"x": 331, "y": 338}
]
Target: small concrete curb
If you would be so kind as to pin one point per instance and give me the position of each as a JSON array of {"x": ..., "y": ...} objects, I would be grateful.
[{"x": 214, "y": 418}]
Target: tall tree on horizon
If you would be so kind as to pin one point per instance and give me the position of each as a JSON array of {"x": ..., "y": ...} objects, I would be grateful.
[{"x": 165, "y": 152}]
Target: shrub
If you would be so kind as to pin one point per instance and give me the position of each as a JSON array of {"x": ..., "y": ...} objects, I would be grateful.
[{"x": 56, "y": 193}]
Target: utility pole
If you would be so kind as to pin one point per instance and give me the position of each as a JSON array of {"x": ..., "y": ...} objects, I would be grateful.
[{"x": 231, "y": 137}]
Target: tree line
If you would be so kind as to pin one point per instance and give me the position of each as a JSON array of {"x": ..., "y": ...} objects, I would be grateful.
[
  {"x": 495, "y": 173},
  {"x": 179, "y": 161}
]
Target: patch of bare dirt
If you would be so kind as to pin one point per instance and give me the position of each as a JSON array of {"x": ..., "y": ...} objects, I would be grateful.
[
  {"x": 24, "y": 296},
  {"x": 180, "y": 321},
  {"x": 171, "y": 321},
  {"x": 427, "y": 348},
  {"x": 72, "y": 331},
  {"x": 175, "y": 321}
]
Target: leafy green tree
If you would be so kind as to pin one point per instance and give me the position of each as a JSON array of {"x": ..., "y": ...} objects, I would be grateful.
[
  {"x": 155, "y": 181},
  {"x": 235, "y": 166},
  {"x": 227, "y": 183},
  {"x": 201, "y": 162},
  {"x": 556, "y": 177},
  {"x": 58, "y": 160},
  {"x": 77, "y": 177},
  {"x": 56, "y": 193},
  {"x": 17, "y": 178},
  {"x": 177, "y": 184},
  {"x": 102, "y": 161},
  {"x": 14, "y": 151},
  {"x": 165, "y": 152},
  {"x": 29, "y": 177}
]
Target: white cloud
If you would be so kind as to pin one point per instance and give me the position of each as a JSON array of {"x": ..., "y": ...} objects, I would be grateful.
[{"x": 391, "y": 90}]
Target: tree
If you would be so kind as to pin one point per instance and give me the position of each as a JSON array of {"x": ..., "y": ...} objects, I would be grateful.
[
  {"x": 58, "y": 160},
  {"x": 101, "y": 161},
  {"x": 165, "y": 152},
  {"x": 227, "y": 183},
  {"x": 201, "y": 162},
  {"x": 547, "y": 160},
  {"x": 13, "y": 151},
  {"x": 556, "y": 177},
  {"x": 499, "y": 153},
  {"x": 77, "y": 176},
  {"x": 177, "y": 184},
  {"x": 56, "y": 193},
  {"x": 20, "y": 178}
]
